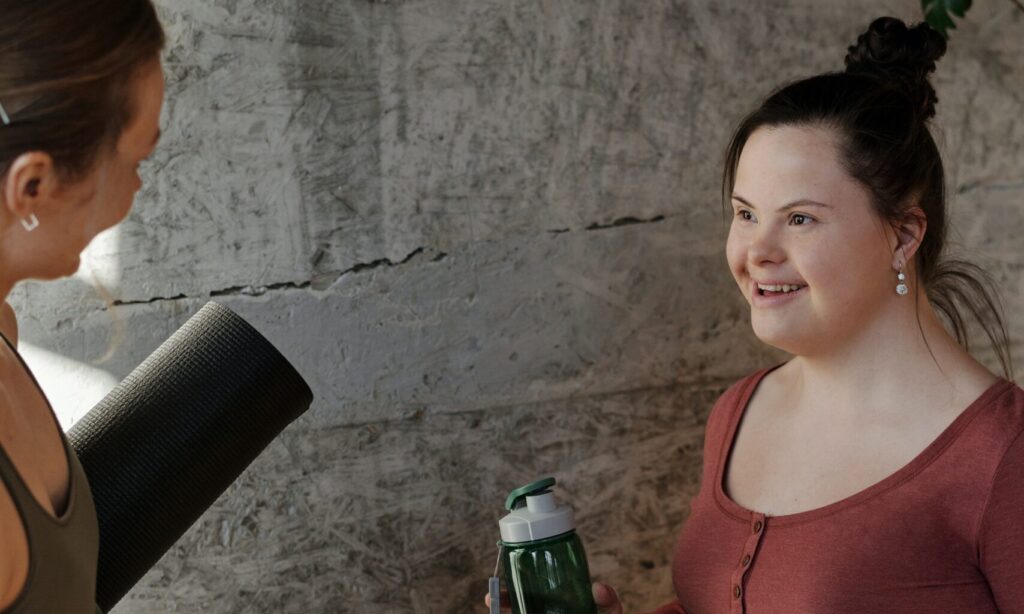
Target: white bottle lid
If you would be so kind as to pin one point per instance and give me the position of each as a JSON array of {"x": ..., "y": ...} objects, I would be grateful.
[{"x": 535, "y": 514}]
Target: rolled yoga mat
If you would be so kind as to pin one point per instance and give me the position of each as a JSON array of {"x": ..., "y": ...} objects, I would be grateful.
[{"x": 168, "y": 440}]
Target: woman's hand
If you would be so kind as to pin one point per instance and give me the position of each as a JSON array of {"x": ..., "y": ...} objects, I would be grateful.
[{"x": 605, "y": 597}]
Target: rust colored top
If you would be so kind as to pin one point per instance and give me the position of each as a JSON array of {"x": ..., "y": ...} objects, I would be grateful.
[{"x": 941, "y": 534}]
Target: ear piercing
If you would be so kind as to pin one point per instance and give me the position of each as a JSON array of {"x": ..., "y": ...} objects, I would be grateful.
[{"x": 901, "y": 288}]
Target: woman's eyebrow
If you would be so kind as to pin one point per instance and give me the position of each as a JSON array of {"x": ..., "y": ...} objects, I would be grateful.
[{"x": 803, "y": 202}]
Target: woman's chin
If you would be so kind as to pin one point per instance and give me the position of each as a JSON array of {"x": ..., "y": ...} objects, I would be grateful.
[
  {"x": 74, "y": 265},
  {"x": 783, "y": 338},
  {"x": 66, "y": 268}
]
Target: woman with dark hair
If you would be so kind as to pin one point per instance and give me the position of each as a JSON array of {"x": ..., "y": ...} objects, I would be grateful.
[
  {"x": 881, "y": 468},
  {"x": 81, "y": 89}
]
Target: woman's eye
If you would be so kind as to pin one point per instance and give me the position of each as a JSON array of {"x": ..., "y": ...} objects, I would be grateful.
[
  {"x": 740, "y": 214},
  {"x": 802, "y": 216}
]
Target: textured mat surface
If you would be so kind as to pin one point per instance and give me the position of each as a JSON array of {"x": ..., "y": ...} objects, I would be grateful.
[{"x": 169, "y": 439}]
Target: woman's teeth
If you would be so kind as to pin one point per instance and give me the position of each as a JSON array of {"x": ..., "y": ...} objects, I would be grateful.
[{"x": 777, "y": 289}]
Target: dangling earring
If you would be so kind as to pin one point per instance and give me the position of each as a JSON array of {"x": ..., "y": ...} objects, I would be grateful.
[
  {"x": 30, "y": 223},
  {"x": 901, "y": 288}
]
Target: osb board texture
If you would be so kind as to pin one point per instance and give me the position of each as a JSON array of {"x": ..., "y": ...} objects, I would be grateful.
[
  {"x": 417, "y": 202},
  {"x": 401, "y": 516}
]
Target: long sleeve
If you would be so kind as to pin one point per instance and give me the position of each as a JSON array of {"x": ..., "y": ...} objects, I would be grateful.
[{"x": 1001, "y": 532}]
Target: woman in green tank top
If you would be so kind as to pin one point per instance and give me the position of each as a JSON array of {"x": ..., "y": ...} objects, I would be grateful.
[{"x": 81, "y": 89}]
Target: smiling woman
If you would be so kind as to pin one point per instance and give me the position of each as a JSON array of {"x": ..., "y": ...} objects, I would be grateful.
[
  {"x": 80, "y": 98},
  {"x": 877, "y": 470}
]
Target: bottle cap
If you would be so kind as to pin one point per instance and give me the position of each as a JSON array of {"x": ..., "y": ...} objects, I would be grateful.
[{"x": 534, "y": 514}]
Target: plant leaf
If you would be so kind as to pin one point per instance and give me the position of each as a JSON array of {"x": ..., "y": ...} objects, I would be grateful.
[
  {"x": 937, "y": 13},
  {"x": 959, "y": 7}
]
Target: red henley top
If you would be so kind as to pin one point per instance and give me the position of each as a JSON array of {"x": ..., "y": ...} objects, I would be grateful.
[{"x": 942, "y": 534}]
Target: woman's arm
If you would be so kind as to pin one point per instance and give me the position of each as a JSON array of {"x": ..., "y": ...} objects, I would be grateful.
[
  {"x": 14, "y": 554},
  {"x": 1001, "y": 534}
]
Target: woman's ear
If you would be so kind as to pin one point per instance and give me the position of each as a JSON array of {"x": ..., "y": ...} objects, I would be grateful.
[
  {"x": 908, "y": 234},
  {"x": 31, "y": 180}
]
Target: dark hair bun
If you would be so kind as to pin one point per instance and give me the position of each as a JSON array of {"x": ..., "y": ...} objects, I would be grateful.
[{"x": 900, "y": 56}]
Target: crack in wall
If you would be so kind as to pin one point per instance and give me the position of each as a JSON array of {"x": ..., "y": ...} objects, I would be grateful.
[
  {"x": 622, "y": 221},
  {"x": 326, "y": 279},
  {"x": 118, "y": 303},
  {"x": 626, "y": 221},
  {"x": 319, "y": 282}
]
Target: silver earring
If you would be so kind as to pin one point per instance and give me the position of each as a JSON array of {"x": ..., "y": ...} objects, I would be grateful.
[
  {"x": 30, "y": 223},
  {"x": 901, "y": 288}
]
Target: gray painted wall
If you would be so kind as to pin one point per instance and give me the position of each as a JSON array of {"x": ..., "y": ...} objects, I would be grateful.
[{"x": 488, "y": 232}]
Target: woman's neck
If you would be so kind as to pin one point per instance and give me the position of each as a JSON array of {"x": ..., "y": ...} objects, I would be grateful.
[
  {"x": 5, "y": 289},
  {"x": 889, "y": 365},
  {"x": 6, "y": 282}
]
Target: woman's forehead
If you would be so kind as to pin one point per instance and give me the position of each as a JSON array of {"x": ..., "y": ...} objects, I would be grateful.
[{"x": 787, "y": 163}]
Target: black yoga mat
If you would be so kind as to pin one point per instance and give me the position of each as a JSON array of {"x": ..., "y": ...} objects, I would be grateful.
[{"x": 168, "y": 440}]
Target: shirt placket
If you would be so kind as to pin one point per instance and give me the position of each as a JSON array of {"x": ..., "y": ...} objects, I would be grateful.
[{"x": 745, "y": 562}]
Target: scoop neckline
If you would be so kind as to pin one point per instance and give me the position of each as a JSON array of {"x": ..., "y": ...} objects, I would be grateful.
[
  {"x": 906, "y": 472},
  {"x": 63, "y": 518}
]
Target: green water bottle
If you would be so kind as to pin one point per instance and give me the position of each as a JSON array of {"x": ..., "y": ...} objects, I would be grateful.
[{"x": 545, "y": 566}]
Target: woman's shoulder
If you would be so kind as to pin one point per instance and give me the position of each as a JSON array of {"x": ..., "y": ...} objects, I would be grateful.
[
  {"x": 1003, "y": 410},
  {"x": 734, "y": 394},
  {"x": 768, "y": 374},
  {"x": 14, "y": 555}
]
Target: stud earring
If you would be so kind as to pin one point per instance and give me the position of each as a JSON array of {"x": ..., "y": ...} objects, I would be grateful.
[
  {"x": 30, "y": 223},
  {"x": 901, "y": 288}
]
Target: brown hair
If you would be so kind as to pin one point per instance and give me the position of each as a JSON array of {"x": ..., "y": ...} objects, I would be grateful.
[
  {"x": 66, "y": 70},
  {"x": 879, "y": 107}
]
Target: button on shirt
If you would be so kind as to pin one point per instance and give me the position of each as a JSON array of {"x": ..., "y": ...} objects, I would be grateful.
[{"x": 941, "y": 534}]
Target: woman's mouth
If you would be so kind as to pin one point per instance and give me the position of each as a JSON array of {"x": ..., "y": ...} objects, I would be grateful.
[
  {"x": 773, "y": 294},
  {"x": 771, "y": 290}
]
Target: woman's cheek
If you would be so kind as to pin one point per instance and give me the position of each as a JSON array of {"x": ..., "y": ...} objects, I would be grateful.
[{"x": 735, "y": 256}]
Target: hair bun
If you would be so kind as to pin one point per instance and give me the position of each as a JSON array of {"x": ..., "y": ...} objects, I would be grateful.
[{"x": 900, "y": 56}]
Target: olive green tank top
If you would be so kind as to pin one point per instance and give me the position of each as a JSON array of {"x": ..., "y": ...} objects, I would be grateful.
[{"x": 63, "y": 551}]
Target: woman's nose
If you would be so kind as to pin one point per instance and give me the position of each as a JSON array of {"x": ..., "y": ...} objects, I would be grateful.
[{"x": 766, "y": 245}]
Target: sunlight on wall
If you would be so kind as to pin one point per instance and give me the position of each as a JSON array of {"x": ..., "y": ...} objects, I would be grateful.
[
  {"x": 102, "y": 260},
  {"x": 72, "y": 387}
]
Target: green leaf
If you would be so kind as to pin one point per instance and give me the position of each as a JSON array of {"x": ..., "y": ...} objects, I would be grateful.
[
  {"x": 937, "y": 13},
  {"x": 959, "y": 7}
]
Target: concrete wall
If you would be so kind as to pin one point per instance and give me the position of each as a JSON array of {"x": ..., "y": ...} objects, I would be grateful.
[{"x": 488, "y": 232}]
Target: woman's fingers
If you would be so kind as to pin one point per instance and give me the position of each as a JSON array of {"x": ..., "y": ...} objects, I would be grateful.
[
  {"x": 607, "y": 599},
  {"x": 506, "y": 606}
]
